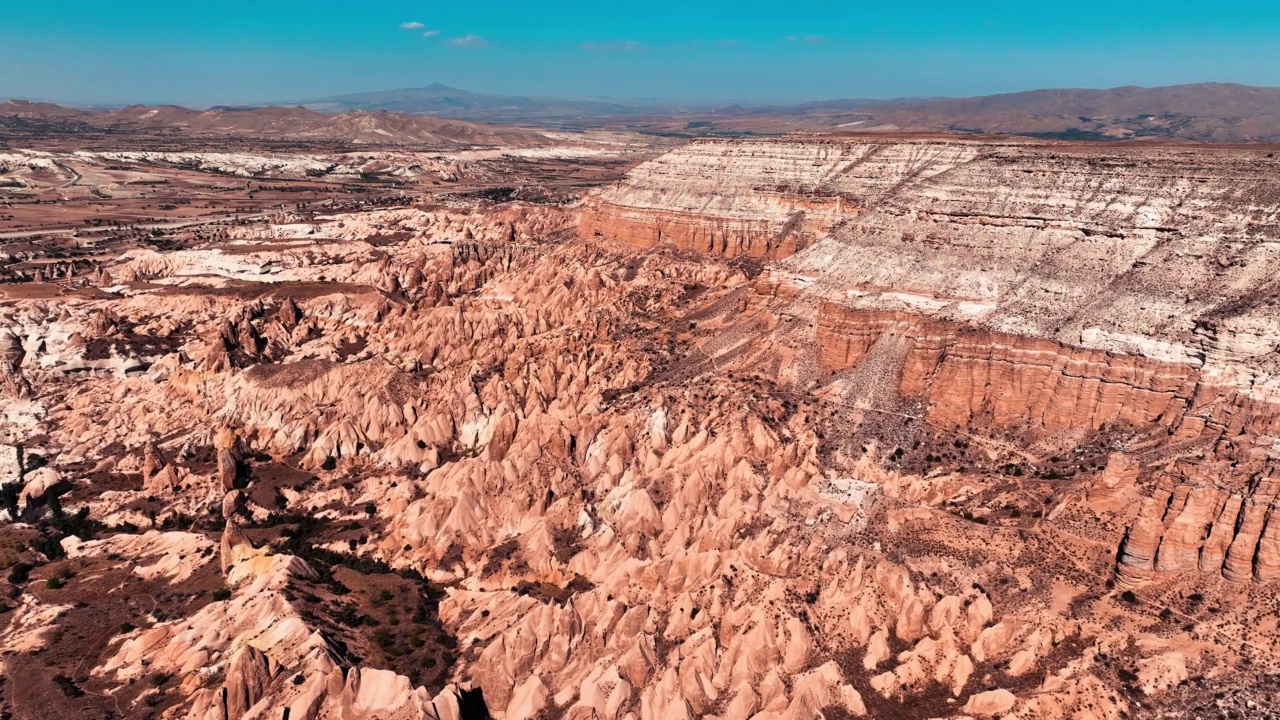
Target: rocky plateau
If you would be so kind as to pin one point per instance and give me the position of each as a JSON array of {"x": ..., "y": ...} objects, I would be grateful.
[{"x": 768, "y": 429}]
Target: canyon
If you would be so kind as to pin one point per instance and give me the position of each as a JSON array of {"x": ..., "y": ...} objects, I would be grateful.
[{"x": 813, "y": 426}]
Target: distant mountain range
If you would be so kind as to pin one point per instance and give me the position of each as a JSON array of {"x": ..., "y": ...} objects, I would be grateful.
[
  {"x": 275, "y": 122},
  {"x": 440, "y": 115},
  {"x": 1209, "y": 112},
  {"x": 443, "y": 101}
]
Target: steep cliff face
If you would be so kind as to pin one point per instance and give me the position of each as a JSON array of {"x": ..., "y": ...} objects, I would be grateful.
[
  {"x": 1163, "y": 252},
  {"x": 762, "y": 200},
  {"x": 1208, "y": 515},
  {"x": 1065, "y": 202},
  {"x": 1043, "y": 291},
  {"x": 970, "y": 376}
]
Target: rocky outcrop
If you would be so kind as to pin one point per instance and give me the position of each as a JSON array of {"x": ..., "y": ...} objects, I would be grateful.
[
  {"x": 248, "y": 675},
  {"x": 1138, "y": 552},
  {"x": 992, "y": 702},
  {"x": 1266, "y": 564},
  {"x": 975, "y": 378},
  {"x": 760, "y": 200},
  {"x": 236, "y": 547},
  {"x": 1004, "y": 379},
  {"x": 230, "y": 456},
  {"x": 1214, "y": 551},
  {"x": 1182, "y": 542},
  {"x": 1201, "y": 528},
  {"x": 158, "y": 476},
  {"x": 12, "y": 382},
  {"x": 1244, "y": 547}
]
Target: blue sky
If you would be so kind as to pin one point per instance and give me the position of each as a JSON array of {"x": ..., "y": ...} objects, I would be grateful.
[{"x": 234, "y": 51}]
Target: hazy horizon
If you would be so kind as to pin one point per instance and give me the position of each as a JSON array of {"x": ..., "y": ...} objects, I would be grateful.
[
  {"x": 237, "y": 52},
  {"x": 638, "y": 102}
]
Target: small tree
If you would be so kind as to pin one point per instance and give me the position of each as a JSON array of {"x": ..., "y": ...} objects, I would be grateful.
[
  {"x": 55, "y": 507},
  {"x": 9, "y": 494}
]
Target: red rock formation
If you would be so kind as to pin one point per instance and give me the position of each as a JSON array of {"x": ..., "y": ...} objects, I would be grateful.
[
  {"x": 643, "y": 229},
  {"x": 229, "y": 453},
  {"x": 1008, "y": 380},
  {"x": 1138, "y": 552},
  {"x": 1214, "y": 552},
  {"x": 1244, "y": 547},
  {"x": 643, "y": 486},
  {"x": 248, "y": 675},
  {"x": 972, "y": 378},
  {"x": 1266, "y": 564},
  {"x": 158, "y": 476},
  {"x": 1181, "y": 544}
]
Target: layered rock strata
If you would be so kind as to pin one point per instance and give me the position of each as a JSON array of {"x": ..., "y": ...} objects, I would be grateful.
[
  {"x": 1051, "y": 288},
  {"x": 595, "y": 479}
]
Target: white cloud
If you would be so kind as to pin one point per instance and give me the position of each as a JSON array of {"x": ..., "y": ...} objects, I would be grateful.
[
  {"x": 415, "y": 25},
  {"x": 469, "y": 40},
  {"x": 431, "y": 33},
  {"x": 810, "y": 39},
  {"x": 614, "y": 46}
]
